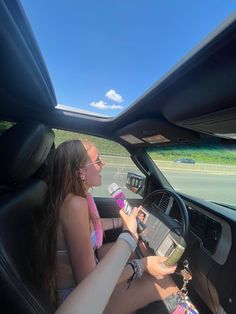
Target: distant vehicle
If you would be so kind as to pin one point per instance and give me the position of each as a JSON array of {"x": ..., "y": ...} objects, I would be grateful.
[{"x": 185, "y": 160}]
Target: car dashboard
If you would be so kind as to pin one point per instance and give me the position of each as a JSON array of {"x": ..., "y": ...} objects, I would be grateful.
[
  {"x": 210, "y": 249},
  {"x": 212, "y": 232}
]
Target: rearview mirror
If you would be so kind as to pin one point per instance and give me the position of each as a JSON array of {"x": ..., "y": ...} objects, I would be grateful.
[{"x": 135, "y": 183}]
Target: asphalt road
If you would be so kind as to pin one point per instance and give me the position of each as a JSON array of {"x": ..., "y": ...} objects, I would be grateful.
[
  {"x": 209, "y": 186},
  {"x": 219, "y": 188}
]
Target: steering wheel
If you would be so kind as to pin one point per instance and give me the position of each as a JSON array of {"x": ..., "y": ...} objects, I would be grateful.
[{"x": 164, "y": 235}]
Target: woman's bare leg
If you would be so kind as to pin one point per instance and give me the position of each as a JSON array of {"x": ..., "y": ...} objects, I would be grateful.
[
  {"x": 102, "y": 251},
  {"x": 141, "y": 292}
]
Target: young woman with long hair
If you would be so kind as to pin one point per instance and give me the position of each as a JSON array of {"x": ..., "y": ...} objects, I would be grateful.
[{"x": 73, "y": 230}]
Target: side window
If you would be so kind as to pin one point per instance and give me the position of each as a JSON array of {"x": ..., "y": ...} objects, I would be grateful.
[{"x": 117, "y": 162}]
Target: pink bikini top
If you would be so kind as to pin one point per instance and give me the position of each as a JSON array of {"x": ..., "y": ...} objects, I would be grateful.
[{"x": 97, "y": 222}]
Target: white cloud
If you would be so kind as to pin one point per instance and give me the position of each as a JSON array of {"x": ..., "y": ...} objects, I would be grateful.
[
  {"x": 113, "y": 95},
  {"x": 116, "y": 107},
  {"x": 102, "y": 105}
]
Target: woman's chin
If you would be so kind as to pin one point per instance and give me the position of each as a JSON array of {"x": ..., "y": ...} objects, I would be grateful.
[{"x": 98, "y": 183}]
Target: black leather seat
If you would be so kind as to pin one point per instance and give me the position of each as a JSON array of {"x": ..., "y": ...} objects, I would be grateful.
[{"x": 23, "y": 150}]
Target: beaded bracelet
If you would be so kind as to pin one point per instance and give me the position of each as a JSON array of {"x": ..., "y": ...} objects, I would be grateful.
[{"x": 137, "y": 266}]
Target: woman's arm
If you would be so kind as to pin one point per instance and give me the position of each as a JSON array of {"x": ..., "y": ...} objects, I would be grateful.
[
  {"x": 92, "y": 294},
  {"x": 153, "y": 265},
  {"x": 76, "y": 228}
]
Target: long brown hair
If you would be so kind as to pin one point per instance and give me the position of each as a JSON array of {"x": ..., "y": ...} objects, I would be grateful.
[{"x": 64, "y": 163}]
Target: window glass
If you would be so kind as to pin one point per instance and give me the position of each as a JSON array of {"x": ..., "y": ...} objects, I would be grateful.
[
  {"x": 206, "y": 170},
  {"x": 117, "y": 162}
]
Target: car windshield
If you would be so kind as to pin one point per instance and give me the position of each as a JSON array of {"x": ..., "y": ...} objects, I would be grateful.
[{"x": 204, "y": 171}]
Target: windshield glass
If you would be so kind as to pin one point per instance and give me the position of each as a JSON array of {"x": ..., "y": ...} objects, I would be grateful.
[{"x": 207, "y": 171}]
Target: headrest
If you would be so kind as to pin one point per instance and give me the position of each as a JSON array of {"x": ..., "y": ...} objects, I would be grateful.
[{"x": 23, "y": 149}]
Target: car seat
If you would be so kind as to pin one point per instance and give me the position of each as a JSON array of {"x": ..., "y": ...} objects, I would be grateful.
[{"x": 24, "y": 148}]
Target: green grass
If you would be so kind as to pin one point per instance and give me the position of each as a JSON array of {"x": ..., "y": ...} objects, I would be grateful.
[
  {"x": 106, "y": 147},
  {"x": 214, "y": 154},
  {"x": 4, "y": 125}
]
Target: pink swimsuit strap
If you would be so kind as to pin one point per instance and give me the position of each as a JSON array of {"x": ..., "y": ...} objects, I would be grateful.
[{"x": 97, "y": 222}]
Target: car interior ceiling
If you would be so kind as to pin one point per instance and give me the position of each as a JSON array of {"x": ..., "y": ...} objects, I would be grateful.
[{"x": 198, "y": 90}]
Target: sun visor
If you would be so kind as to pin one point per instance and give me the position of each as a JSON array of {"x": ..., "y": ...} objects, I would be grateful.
[
  {"x": 154, "y": 131},
  {"x": 221, "y": 123}
]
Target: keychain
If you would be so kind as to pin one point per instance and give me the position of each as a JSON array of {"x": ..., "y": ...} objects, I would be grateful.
[{"x": 185, "y": 306}]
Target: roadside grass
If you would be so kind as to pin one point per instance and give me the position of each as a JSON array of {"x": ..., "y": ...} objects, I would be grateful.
[
  {"x": 4, "y": 125},
  {"x": 105, "y": 146},
  {"x": 210, "y": 155},
  {"x": 207, "y": 155}
]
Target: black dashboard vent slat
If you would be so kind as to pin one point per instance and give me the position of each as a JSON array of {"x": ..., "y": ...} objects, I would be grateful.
[{"x": 164, "y": 202}]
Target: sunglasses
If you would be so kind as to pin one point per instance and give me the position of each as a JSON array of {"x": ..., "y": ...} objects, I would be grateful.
[{"x": 99, "y": 162}]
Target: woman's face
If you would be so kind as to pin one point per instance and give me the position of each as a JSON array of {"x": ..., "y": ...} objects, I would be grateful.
[{"x": 92, "y": 168}]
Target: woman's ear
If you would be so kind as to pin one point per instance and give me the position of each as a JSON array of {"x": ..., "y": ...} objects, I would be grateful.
[{"x": 80, "y": 174}]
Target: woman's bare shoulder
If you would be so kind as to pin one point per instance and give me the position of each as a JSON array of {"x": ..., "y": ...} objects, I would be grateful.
[
  {"x": 73, "y": 205},
  {"x": 72, "y": 200}
]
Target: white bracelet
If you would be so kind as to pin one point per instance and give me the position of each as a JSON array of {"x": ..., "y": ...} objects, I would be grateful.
[{"x": 129, "y": 239}]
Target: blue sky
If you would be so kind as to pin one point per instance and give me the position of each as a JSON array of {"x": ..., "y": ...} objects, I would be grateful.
[{"x": 102, "y": 55}]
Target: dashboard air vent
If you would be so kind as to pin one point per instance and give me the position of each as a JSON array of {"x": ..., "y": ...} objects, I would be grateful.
[{"x": 164, "y": 202}]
